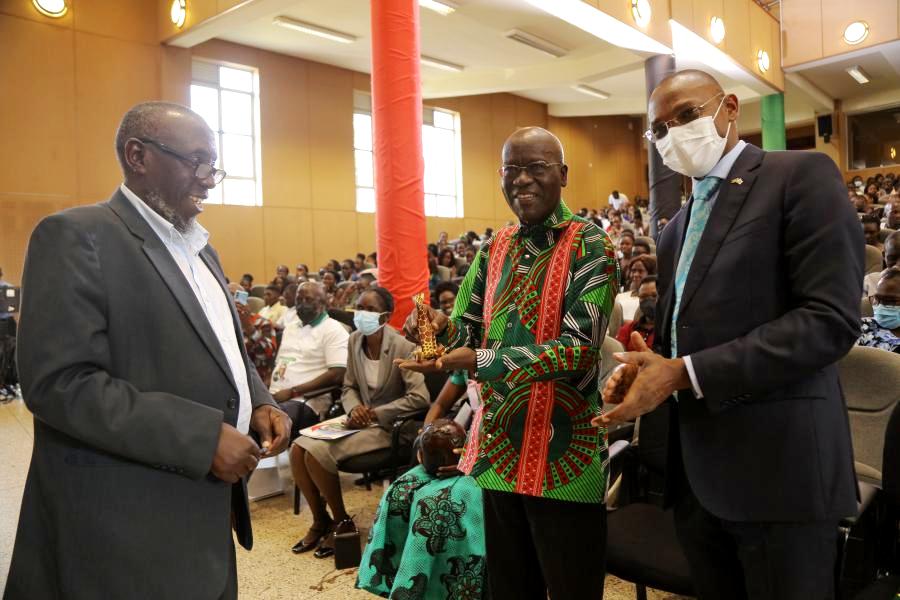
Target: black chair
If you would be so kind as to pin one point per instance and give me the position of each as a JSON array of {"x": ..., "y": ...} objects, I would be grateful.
[{"x": 641, "y": 543}]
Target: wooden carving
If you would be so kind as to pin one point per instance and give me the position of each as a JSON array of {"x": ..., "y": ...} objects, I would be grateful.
[{"x": 430, "y": 348}]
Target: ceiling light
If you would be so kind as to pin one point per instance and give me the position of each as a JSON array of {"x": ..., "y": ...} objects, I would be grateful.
[
  {"x": 178, "y": 12},
  {"x": 858, "y": 74},
  {"x": 590, "y": 91},
  {"x": 893, "y": 153},
  {"x": 762, "y": 60},
  {"x": 443, "y": 6},
  {"x": 538, "y": 43},
  {"x": 440, "y": 64},
  {"x": 51, "y": 8},
  {"x": 856, "y": 32},
  {"x": 601, "y": 25},
  {"x": 717, "y": 29},
  {"x": 641, "y": 11},
  {"x": 322, "y": 32}
]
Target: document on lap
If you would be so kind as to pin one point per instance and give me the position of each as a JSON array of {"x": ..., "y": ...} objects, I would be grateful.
[{"x": 332, "y": 429}]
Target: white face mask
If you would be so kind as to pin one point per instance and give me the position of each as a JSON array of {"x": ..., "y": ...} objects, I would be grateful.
[{"x": 694, "y": 148}]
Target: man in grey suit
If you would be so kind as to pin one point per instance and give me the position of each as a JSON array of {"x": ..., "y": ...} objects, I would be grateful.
[
  {"x": 143, "y": 396},
  {"x": 760, "y": 276}
]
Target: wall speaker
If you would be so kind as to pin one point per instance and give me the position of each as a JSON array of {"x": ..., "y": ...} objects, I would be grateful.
[{"x": 824, "y": 127}]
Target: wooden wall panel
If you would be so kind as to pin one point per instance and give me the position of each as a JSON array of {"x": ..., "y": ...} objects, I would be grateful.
[
  {"x": 365, "y": 234},
  {"x": 837, "y": 14},
  {"x": 334, "y": 236},
  {"x": 37, "y": 109},
  {"x": 175, "y": 74},
  {"x": 288, "y": 238},
  {"x": 331, "y": 138},
  {"x": 113, "y": 76},
  {"x": 704, "y": 10},
  {"x": 20, "y": 215},
  {"x": 131, "y": 20},
  {"x": 802, "y": 24},
  {"x": 26, "y": 10},
  {"x": 737, "y": 34},
  {"x": 481, "y": 157},
  {"x": 197, "y": 11},
  {"x": 238, "y": 234},
  {"x": 503, "y": 123}
]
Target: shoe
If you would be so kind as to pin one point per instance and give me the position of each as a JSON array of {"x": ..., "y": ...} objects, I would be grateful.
[
  {"x": 326, "y": 547},
  {"x": 313, "y": 537}
]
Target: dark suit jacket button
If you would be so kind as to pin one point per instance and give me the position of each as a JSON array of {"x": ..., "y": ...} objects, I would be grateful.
[{"x": 232, "y": 403}]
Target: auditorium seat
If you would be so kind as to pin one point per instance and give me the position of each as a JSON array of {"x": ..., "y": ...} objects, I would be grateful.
[
  {"x": 874, "y": 260},
  {"x": 258, "y": 291},
  {"x": 865, "y": 308},
  {"x": 616, "y": 320},
  {"x": 255, "y": 304},
  {"x": 647, "y": 240}
]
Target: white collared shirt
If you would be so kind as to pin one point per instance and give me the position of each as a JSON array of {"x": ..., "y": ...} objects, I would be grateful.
[
  {"x": 185, "y": 250},
  {"x": 721, "y": 170},
  {"x": 309, "y": 350}
]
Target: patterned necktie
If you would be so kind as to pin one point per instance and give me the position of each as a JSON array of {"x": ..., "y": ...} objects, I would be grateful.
[{"x": 700, "y": 210}]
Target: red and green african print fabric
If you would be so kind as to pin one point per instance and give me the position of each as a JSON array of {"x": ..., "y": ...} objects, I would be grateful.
[{"x": 535, "y": 304}]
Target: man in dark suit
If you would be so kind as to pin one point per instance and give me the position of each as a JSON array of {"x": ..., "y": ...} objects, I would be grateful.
[
  {"x": 759, "y": 282},
  {"x": 143, "y": 396}
]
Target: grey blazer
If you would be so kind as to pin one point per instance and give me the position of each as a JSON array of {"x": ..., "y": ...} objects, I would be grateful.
[
  {"x": 129, "y": 387},
  {"x": 399, "y": 391}
]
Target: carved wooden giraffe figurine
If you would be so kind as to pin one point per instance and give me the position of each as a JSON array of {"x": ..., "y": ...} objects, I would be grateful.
[{"x": 430, "y": 349}]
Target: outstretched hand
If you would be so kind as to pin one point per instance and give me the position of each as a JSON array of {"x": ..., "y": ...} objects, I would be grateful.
[{"x": 643, "y": 382}]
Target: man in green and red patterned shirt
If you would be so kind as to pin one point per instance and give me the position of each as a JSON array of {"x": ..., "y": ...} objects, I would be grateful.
[{"x": 528, "y": 323}]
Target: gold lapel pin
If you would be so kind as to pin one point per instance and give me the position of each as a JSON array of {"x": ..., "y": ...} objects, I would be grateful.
[{"x": 737, "y": 180}]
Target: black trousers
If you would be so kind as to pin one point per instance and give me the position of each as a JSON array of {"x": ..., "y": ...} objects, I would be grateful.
[
  {"x": 537, "y": 545},
  {"x": 756, "y": 561}
]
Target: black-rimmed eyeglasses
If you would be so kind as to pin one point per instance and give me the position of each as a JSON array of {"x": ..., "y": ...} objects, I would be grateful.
[
  {"x": 536, "y": 169},
  {"x": 660, "y": 130},
  {"x": 202, "y": 170}
]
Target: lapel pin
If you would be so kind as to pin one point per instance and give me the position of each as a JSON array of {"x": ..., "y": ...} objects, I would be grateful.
[{"x": 737, "y": 180}]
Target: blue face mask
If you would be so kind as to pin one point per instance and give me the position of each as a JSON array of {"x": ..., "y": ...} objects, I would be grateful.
[
  {"x": 367, "y": 322},
  {"x": 887, "y": 316}
]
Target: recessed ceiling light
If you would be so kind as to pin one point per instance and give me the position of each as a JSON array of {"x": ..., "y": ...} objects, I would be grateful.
[
  {"x": 590, "y": 91},
  {"x": 440, "y": 64},
  {"x": 51, "y": 8},
  {"x": 893, "y": 153},
  {"x": 717, "y": 29},
  {"x": 858, "y": 74},
  {"x": 762, "y": 60},
  {"x": 322, "y": 32},
  {"x": 856, "y": 32},
  {"x": 178, "y": 12},
  {"x": 641, "y": 11},
  {"x": 538, "y": 43},
  {"x": 443, "y": 6}
]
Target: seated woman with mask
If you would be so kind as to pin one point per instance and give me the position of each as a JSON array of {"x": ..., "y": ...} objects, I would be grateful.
[
  {"x": 375, "y": 392},
  {"x": 883, "y": 330},
  {"x": 427, "y": 540}
]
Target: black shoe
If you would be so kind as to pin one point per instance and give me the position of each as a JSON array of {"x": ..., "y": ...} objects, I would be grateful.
[
  {"x": 318, "y": 533},
  {"x": 326, "y": 548}
]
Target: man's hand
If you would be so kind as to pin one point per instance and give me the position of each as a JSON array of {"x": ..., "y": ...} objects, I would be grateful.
[
  {"x": 236, "y": 455},
  {"x": 618, "y": 383},
  {"x": 283, "y": 395},
  {"x": 411, "y": 328},
  {"x": 456, "y": 360},
  {"x": 657, "y": 378},
  {"x": 361, "y": 416},
  {"x": 273, "y": 426}
]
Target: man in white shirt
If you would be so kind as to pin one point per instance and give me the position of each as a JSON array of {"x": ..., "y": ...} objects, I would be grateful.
[
  {"x": 313, "y": 352},
  {"x": 618, "y": 200}
]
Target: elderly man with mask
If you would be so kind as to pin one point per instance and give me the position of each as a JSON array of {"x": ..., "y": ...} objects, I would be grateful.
[
  {"x": 759, "y": 284},
  {"x": 527, "y": 324},
  {"x": 143, "y": 397}
]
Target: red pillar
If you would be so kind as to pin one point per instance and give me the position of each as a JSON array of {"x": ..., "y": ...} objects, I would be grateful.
[{"x": 399, "y": 167}]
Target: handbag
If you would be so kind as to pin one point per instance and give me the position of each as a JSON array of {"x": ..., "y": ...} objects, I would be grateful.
[{"x": 347, "y": 548}]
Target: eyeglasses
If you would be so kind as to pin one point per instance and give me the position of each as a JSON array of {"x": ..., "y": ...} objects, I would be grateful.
[
  {"x": 881, "y": 299},
  {"x": 536, "y": 169},
  {"x": 202, "y": 170},
  {"x": 658, "y": 131}
]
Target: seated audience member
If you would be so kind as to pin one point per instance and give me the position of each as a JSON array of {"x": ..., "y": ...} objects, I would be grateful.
[
  {"x": 434, "y": 274},
  {"x": 273, "y": 310},
  {"x": 892, "y": 213},
  {"x": 348, "y": 294},
  {"x": 329, "y": 283},
  {"x": 360, "y": 262},
  {"x": 624, "y": 254},
  {"x": 372, "y": 259},
  {"x": 444, "y": 296},
  {"x": 872, "y": 192},
  {"x": 372, "y": 403},
  {"x": 442, "y": 241},
  {"x": 891, "y": 259},
  {"x": 638, "y": 224},
  {"x": 488, "y": 234},
  {"x": 640, "y": 267},
  {"x": 428, "y": 539},
  {"x": 447, "y": 259},
  {"x": 302, "y": 273},
  {"x": 312, "y": 355},
  {"x": 645, "y": 324},
  {"x": 640, "y": 247},
  {"x": 615, "y": 225},
  {"x": 861, "y": 202},
  {"x": 289, "y": 300},
  {"x": 282, "y": 271},
  {"x": 883, "y": 330},
  {"x": 618, "y": 200},
  {"x": 871, "y": 230},
  {"x": 280, "y": 283},
  {"x": 470, "y": 258},
  {"x": 247, "y": 282},
  {"x": 460, "y": 247},
  {"x": 661, "y": 224},
  {"x": 348, "y": 270},
  {"x": 260, "y": 341}
]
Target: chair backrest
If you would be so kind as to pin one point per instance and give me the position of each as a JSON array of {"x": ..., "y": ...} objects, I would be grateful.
[
  {"x": 444, "y": 272},
  {"x": 865, "y": 308},
  {"x": 873, "y": 260},
  {"x": 870, "y": 378},
  {"x": 255, "y": 304},
  {"x": 607, "y": 362},
  {"x": 258, "y": 291},
  {"x": 460, "y": 262},
  {"x": 646, "y": 239},
  {"x": 891, "y": 460},
  {"x": 616, "y": 320}
]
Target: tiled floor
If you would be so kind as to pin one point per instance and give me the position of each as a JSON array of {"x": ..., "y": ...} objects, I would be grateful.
[{"x": 270, "y": 571}]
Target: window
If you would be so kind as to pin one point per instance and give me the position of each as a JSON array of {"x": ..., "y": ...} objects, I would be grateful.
[
  {"x": 227, "y": 97},
  {"x": 443, "y": 160},
  {"x": 874, "y": 138}
]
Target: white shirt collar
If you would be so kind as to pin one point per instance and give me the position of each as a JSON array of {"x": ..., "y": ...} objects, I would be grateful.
[
  {"x": 723, "y": 167},
  {"x": 195, "y": 239}
]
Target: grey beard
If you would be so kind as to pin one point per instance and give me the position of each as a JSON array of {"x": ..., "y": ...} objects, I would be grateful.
[{"x": 155, "y": 201}]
